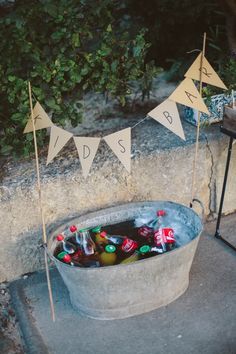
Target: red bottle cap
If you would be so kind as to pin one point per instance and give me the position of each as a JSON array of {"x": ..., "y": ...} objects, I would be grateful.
[
  {"x": 60, "y": 237},
  {"x": 161, "y": 213},
  {"x": 73, "y": 228},
  {"x": 67, "y": 258},
  {"x": 103, "y": 234}
]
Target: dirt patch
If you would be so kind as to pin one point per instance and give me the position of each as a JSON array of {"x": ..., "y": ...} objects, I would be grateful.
[{"x": 10, "y": 340}]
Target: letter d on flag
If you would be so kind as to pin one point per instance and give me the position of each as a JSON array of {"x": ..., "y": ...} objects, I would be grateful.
[{"x": 87, "y": 148}]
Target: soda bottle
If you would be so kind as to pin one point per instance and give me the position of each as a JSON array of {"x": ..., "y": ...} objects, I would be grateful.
[
  {"x": 163, "y": 237},
  {"x": 142, "y": 251},
  {"x": 66, "y": 245},
  {"x": 99, "y": 240},
  {"x": 147, "y": 219},
  {"x": 65, "y": 258},
  {"x": 87, "y": 244},
  {"x": 147, "y": 224},
  {"x": 115, "y": 239},
  {"x": 75, "y": 233},
  {"x": 146, "y": 233},
  {"x": 128, "y": 245},
  {"x": 108, "y": 256},
  {"x": 133, "y": 258}
]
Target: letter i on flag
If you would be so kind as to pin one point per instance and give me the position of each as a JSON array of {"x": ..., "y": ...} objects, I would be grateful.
[
  {"x": 41, "y": 119},
  {"x": 87, "y": 148},
  {"x": 209, "y": 76},
  {"x": 167, "y": 114},
  {"x": 120, "y": 143},
  {"x": 187, "y": 94},
  {"x": 58, "y": 139}
]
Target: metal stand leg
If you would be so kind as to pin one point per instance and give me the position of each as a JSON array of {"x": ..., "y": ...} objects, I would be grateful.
[{"x": 217, "y": 234}]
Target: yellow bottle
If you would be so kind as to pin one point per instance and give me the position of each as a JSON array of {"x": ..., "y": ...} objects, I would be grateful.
[
  {"x": 98, "y": 238},
  {"x": 145, "y": 249},
  {"x": 133, "y": 258},
  {"x": 108, "y": 257}
]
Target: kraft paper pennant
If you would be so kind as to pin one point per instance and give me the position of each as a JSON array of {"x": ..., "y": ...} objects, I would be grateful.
[
  {"x": 167, "y": 114},
  {"x": 58, "y": 138},
  {"x": 209, "y": 76},
  {"x": 41, "y": 119},
  {"x": 186, "y": 93},
  {"x": 87, "y": 148},
  {"x": 120, "y": 143}
]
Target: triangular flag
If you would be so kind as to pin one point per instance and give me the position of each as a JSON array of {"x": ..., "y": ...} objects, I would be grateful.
[
  {"x": 167, "y": 114},
  {"x": 120, "y": 143},
  {"x": 87, "y": 148},
  {"x": 41, "y": 119},
  {"x": 58, "y": 138},
  {"x": 209, "y": 76},
  {"x": 186, "y": 93}
]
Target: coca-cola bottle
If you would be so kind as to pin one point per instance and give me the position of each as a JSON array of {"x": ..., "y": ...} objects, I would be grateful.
[
  {"x": 66, "y": 245},
  {"x": 164, "y": 235},
  {"x": 129, "y": 245},
  {"x": 147, "y": 223}
]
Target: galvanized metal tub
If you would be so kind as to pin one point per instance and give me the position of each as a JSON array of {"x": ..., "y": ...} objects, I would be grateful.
[{"x": 126, "y": 290}]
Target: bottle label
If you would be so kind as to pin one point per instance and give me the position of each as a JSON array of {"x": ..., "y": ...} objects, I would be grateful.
[
  {"x": 129, "y": 245},
  {"x": 163, "y": 236},
  {"x": 145, "y": 231}
]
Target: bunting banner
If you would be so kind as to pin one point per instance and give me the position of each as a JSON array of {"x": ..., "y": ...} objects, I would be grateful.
[
  {"x": 41, "y": 119},
  {"x": 58, "y": 139},
  {"x": 187, "y": 94},
  {"x": 167, "y": 114},
  {"x": 209, "y": 76},
  {"x": 87, "y": 148},
  {"x": 120, "y": 143}
]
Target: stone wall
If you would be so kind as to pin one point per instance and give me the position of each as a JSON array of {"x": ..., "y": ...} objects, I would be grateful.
[{"x": 161, "y": 170}]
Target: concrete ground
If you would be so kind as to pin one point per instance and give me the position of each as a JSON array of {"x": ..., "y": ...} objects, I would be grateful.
[{"x": 203, "y": 320}]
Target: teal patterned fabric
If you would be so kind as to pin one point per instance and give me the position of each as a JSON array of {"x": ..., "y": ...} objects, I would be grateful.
[{"x": 215, "y": 106}]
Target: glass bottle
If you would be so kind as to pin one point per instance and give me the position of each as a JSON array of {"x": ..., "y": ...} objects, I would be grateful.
[
  {"x": 115, "y": 239},
  {"x": 86, "y": 242},
  {"x": 66, "y": 245},
  {"x": 108, "y": 256}
]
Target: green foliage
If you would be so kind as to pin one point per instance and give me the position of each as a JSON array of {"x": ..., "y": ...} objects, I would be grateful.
[
  {"x": 229, "y": 73},
  {"x": 176, "y": 27},
  {"x": 65, "y": 48}
]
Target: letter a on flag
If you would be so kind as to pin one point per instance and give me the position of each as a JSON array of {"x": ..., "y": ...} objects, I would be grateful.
[
  {"x": 87, "y": 148},
  {"x": 120, "y": 143},
  {"x": 186, "y": 93},
  {"x": 58, "y": 138},
  {"x": 41, "y": 119},
  {"x": 209, "y": 76},
  {"x": 167, "y": 114}
]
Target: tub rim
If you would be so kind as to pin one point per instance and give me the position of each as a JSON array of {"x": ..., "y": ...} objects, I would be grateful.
[{"x": 104, "y": 268}]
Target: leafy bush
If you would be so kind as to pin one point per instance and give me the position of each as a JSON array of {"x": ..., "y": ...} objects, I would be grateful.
[
  {"x": 65, "y": 48},
  {"x": 176, "y": 27}
]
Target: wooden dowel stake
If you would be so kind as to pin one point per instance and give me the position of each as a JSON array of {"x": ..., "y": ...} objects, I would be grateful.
[
  {"x": 44, "y": 237},
  {"x": 198, "y": 123}
]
